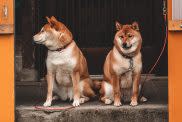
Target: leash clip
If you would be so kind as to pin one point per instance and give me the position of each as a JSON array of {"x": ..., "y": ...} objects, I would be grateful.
[
  {"x": 164, "y": 7},
  {"x": 131, "y": 64}
]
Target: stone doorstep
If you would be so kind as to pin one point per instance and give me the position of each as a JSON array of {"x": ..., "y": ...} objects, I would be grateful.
[
  {"x": 95, "y": 112},
  {"x": 155, "y": 110}
]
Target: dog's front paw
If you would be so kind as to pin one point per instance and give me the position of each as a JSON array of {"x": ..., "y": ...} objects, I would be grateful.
[
  {"x": 117, "y": 103},
  {"x": 134, "y": 103},
  {"x": 76, "y": 103},
  {"x": 47, "y": 103}
]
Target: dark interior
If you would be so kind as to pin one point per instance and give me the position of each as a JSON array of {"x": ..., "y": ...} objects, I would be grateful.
[{"x": 92, "y": 23}]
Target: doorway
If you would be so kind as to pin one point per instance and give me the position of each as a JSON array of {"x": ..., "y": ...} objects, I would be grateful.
[{"x": 92, "y": 23}]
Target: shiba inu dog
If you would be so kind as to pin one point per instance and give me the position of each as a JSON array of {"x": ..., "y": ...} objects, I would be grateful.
[
  {"x": 67, "y": 73},
  {"x": 123, "y": 65}
]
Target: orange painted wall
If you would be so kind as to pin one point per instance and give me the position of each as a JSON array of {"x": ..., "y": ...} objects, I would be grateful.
[
  {"x": 7, "y": 68},
  {"x": 175, "y": 72}
]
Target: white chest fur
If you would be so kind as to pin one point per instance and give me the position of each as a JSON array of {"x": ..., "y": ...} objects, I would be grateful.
[
  {"x": 62, "y": 64},
  {"x": 61, "y": 58},
  {"x": 122, "y": 65}
]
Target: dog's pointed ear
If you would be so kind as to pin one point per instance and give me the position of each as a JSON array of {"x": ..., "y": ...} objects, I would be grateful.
[
  {"x": 118, "y": 26},
  {"x": 52, "y": 21},
  {"x": 48, "y": 19},
  {"x": 135, "y": 26}
]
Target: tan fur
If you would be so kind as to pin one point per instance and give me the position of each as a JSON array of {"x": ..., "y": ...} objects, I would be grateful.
[
  {"x": 67, "y": 75},
  {"x": 116, "y": 75}
]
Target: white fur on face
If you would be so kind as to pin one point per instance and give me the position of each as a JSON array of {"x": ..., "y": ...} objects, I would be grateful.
[
  {"x": 40, "y": 37},
  {"x": 119, "y": 40},
  {"x": 49, "y": 39},
  {"x": 134, "y": 42},
  {"x": 53, "y": 41}
]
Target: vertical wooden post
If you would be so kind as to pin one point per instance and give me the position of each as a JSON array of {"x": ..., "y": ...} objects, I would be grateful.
[
  {"x": 174, "y": 71},
  {"x": 7, "y": 62}
]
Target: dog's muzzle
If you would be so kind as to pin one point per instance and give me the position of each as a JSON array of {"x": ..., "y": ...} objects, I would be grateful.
[{"x": 125, "y": 46}]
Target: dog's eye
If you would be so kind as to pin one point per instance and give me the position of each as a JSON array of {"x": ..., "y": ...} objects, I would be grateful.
[{"x": 121, "y": 36}]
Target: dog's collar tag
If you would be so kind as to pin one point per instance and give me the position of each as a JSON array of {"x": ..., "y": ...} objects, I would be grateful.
[{"x": 131, "y": 64}]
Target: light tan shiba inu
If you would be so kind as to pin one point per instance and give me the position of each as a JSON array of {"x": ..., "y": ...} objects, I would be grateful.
[
  {"x": 67, "y": 73},
  {"x": 123, "y": 65}
]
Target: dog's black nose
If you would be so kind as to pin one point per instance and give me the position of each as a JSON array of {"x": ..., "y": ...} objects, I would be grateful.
[{"x": 124, "y": 45}]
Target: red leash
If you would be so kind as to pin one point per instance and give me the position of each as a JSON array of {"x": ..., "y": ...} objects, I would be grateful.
[
  {"x": 42, "y": 108},
  {"x": 162, "y": 51},
  {"x": 52, "y": 108}
]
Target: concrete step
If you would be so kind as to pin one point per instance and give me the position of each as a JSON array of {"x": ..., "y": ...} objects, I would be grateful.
[
  {"x": 94, "y": 111},
  {"x": 29, "y": 94}
]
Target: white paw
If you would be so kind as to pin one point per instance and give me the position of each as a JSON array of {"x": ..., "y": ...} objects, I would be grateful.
[
  {"x": 117, "y": 103},
  {"x": 134, "y": 103},
  {"x": 76, "y": 103},
  {"x": 55, "y": 97},
  {"x": 47, "y": 103},
  {"x": 83, "y": 100},
  {"x": 143, "y": 99},
  {"x": 108, "y": 101}
]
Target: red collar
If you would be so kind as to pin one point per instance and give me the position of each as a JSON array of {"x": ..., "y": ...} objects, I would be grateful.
[
  {"x": 126, "y": 56},
  {"x": 60, "y": 49}
]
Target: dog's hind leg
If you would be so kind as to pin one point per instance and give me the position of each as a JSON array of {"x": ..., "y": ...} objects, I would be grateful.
[
  {"x": 106, "y": 100},
  {"x": 86, "y": 90},
  {"x": 55, "y": 97},
  {"x": 84, "y": 99}
]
